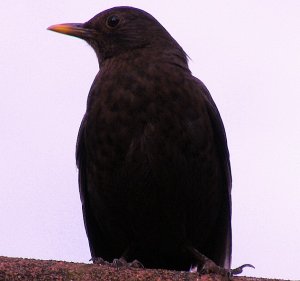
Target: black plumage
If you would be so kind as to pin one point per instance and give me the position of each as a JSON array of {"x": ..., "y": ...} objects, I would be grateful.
[{"x": 154, "y": 170}]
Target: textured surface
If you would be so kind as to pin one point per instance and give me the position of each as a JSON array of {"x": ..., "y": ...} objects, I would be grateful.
[{"x": 12, "y": 269}]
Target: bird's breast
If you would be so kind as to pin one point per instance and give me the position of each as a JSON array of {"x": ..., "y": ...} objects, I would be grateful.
[{"x": 149, "y": 113}]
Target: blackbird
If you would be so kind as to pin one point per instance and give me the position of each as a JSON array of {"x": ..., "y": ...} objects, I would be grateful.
[{"x": 154, "y": 170}]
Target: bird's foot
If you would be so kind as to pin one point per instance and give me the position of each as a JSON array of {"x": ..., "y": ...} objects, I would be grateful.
[
  {"x": 121, "y": 262},
  {"x": 210, "y": 267},
  {"x": 239, "y": 269},
  {"x": 205, "y": 265},
  {"x": 118, "y": 263},
  {"x": 101, "y": 261}
]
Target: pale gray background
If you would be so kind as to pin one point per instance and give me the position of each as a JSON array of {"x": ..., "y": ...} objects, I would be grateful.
[{"x": 245, "y": 51}]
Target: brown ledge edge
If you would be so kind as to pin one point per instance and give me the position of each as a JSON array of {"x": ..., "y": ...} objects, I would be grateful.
[{"x": 12, "y": 269}]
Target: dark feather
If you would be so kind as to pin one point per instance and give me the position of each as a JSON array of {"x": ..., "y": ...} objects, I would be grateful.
[{"x": 154, "y": 170}]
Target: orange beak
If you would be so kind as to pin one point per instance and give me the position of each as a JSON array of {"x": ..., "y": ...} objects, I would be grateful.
[{"x": 72, "y": 29}]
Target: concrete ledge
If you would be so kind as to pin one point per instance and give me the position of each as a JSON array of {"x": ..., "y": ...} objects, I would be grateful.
[{"x": 12, "y": 269}]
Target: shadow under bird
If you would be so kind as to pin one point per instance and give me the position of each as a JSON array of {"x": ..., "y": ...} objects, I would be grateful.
[{"x": 154, "y": 170}]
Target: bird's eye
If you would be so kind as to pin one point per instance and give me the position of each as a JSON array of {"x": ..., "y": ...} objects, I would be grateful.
[{"x": 112, "y": 21}]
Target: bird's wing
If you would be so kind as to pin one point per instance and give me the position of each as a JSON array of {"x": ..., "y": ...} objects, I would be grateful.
[
  {"x": 221, "y": 140},
  {"x": 220, "y": 133},
  {"x": 80, "y": 160},
  {"x": 88, "y": 217}
]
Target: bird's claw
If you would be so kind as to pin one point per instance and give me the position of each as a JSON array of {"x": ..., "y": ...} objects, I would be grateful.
[
  {"x": 239, "y": 269},
  {"x": 118, "y": 263},
  {"x": 211, "y": 267},
  {"x": 121, "y": 263},
  {"x": 208, "y": 266},
  {"x": 101, "y": 261},
  {"x": 136, "y": 264}
]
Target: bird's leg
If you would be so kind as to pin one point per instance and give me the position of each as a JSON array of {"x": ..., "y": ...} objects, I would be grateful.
[
  {"x": 136, "y": 264},
  {"x": 206, "y": 265},
  {"x": 99, "y": 260},
  {"x": 122, "y": 261},
  {"x": 118, "y": 263}
]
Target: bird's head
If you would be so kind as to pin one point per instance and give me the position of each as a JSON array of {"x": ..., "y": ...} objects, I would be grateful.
[{"x": 122, "y": 29}]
